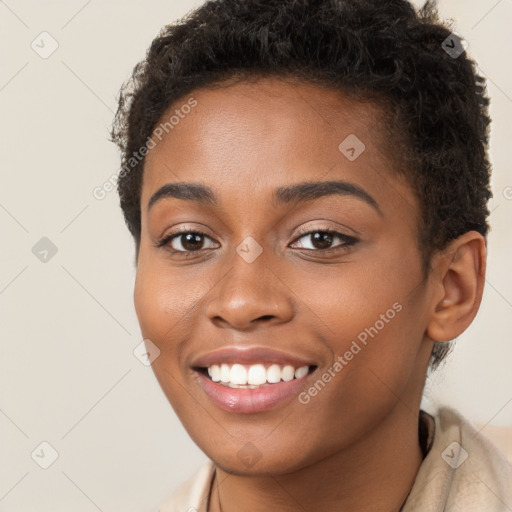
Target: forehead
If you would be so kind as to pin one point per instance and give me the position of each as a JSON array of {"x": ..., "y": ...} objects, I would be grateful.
[{"x": 249, "y": 138}]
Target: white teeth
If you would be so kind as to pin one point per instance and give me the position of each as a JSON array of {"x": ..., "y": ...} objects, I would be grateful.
[
  {"x": 214, "y": 372},
  {"x": 301, "y": 372},
  {"x": 288, "y": 373},
  {"x": 238, "y": 375},
  {"x": 273, "y": 374},
  {"x": 255, "y": 375},
  {"x": 224, "y": 373}
]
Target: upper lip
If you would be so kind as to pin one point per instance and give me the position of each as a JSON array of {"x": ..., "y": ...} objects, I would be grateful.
[{"x": 249, "y": 355}]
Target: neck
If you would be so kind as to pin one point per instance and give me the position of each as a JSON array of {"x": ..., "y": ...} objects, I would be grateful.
[{"x": 375, "y": 473}]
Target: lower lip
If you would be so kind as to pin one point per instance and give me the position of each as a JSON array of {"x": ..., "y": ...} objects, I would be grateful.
[{"x": 249, "y": 401}]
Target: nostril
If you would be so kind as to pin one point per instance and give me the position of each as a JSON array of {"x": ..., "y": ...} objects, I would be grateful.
[{"x": 265, "y": 317}]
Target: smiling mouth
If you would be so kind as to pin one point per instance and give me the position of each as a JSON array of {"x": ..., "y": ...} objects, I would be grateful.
[{"x": 242, "y": 376}]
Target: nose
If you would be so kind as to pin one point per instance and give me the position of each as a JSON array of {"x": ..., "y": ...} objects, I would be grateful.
[{"x": 249, "y": 295}]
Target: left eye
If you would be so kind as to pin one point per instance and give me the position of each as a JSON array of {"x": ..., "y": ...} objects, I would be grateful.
[{"x": 322, "y": 240}]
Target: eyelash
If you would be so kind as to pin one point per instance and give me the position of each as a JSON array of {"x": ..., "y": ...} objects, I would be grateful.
[{"x": 348, "y": 241}]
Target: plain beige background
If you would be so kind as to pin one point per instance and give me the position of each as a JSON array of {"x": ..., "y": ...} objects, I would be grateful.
[{"x": 68, "y": 375}]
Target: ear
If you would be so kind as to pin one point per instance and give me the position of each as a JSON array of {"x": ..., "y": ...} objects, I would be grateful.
[{"x": 458, "y": 280}]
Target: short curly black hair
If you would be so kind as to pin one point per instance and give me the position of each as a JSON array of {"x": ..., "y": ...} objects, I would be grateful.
[{"x": 387, "y": 52}]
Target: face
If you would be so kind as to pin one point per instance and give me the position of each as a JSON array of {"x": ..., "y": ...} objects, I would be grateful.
[{"x": 312, "y": 295}]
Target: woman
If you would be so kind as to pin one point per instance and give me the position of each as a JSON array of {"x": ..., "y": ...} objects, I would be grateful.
[{"x": 306, "y": 183}]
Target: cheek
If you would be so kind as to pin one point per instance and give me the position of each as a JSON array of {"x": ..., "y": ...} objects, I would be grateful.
[
  {"x": 166, "y": 303},
  {"x": 163, "y": 300},
  {"x": 354, "y": 299},
  {"x": 160, "y": 310},
  {"x": 373, "y": 317},
  {"x": 151, "y": 304}
]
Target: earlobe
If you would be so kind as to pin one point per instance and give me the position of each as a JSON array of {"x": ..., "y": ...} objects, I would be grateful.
[{"x": 460, "y": 277}]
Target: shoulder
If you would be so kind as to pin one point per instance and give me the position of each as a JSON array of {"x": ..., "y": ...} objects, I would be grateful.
[
  {"x": 192, "y": 495},
  {"x": 463, "y": 471}
]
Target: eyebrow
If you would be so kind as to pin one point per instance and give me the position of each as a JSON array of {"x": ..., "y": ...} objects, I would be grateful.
[{"x": 202, "y": 194}]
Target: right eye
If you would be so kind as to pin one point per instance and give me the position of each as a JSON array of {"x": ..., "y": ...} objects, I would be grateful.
[{"x": 184, "y": 241}]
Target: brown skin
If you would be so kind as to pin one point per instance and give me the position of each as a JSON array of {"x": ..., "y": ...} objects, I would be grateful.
[{"x": 354, "y": 446}]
